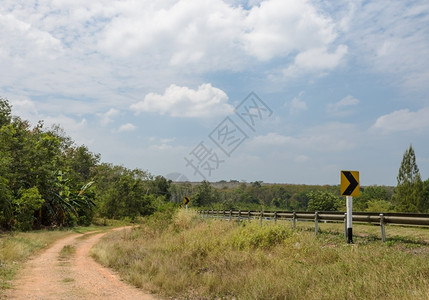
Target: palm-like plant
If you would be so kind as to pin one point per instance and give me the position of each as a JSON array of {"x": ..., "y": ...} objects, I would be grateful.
[{"x": 67, "y": 202}]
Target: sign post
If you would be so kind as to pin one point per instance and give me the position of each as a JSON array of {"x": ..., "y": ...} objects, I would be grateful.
[
  {"x": 349, "y": 203},
  {"x": 350, "y": 188}
]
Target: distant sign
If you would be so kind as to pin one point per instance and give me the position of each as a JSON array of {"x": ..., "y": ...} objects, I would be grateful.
[
  {"x": 350, "y": 183},
  {"x": 186, "y": 200}
]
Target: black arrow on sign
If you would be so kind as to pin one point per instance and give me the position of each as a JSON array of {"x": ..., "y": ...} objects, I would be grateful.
[{"x": 353, "y": 183}]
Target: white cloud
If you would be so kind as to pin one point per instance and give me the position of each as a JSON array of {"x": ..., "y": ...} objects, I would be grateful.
[
  {"x": 161, "y": 143},
  {"x": 403, "y": 120},
  {"x": 392, "y": 39},
  {"x": 331, "y": 137},
  {"x": 76, "y": 128},
  {"x": 272, "y": 138},
  {"x": 207, "y": 35},
  {"x": 19, "y": 33},
  {"x": 317, "y": 60},
  {"x": 127, "y": 127},
  {"x": 161, "y": 147},
  {"x": 25, "y": 109},
  {"x": 302, "y": 158},
  {"x": 342, "y": 107},
  {"x": 206, "y": 101},
  {"x": 278, "y": 28},
  {"x": 66, "y": 122},
  {"x": 101, "y": 50},
  {"x": 106, "y": 118},
  {"x": 297, "y": 105}
]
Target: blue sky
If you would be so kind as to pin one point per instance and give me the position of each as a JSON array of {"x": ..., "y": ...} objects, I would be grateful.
[{"x": 340, "y": 85}]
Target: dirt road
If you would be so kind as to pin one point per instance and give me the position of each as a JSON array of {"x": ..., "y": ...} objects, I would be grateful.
[{"x": 77, "y": 276}]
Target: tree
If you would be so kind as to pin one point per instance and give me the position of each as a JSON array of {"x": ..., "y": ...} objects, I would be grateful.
[
  {"x": 377, "y": 205},
  {"x": 5, "y": 112},
  {"x": 373, "y": 194},
  {"x": 160, "y": 186},
  {"x": 206, "y": 195},
  {"x": 322, "y": 201},
  {"x": 121, "y": 192},
  {"x": 409, "y": 194},
  {"x": 426, "y": 196},
  {"x": 30, "y": 202}
]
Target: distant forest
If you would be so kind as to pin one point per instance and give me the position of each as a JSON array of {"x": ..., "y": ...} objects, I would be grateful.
[
  {"x": 293, "y": 197},
  {"x": 46, "y": 180}
]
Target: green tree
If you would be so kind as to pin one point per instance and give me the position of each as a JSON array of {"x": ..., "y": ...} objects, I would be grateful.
[
  {"x": 160, "y": 186},
  {"x": 426, "y": 196},
  {"x": 5, "y": 112},
  {"x": 206, "y": 195},
  {"x": 6, "y": 213},
  {"x": 26, "y": 206},
  {"x": 322, "y": 201},
  {"x": 121, "y": 192},
  {"x": 372, "y": 193},
  {"x": 409, "y": 193},
  {"x": 378, "y": 205}
]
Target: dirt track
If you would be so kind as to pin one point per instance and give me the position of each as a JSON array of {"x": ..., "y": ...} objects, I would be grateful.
[{"x": 47, "y": 276}]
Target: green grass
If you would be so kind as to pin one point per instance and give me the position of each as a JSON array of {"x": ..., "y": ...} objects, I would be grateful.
[{"x": 194, "y": 258}]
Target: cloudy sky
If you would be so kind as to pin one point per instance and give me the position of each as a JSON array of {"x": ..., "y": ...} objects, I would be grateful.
[{"x": 166, "y": 86}]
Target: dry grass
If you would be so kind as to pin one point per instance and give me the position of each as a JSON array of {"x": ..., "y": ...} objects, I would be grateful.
[
  {"x": 67, "y": 251},
  {"x": 194, "y": 258}
]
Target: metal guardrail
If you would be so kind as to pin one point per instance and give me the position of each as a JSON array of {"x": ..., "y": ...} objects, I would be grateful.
[{"x": 332, "y": 216}]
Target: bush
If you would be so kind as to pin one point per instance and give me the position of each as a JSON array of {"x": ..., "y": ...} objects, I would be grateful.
[
  {"x": 251, "y": 235},
  {"x": 25, "y": 207}
]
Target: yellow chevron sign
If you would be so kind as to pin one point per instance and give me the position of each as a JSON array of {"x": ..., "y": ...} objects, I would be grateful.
[{"x": 350, "y": 183}]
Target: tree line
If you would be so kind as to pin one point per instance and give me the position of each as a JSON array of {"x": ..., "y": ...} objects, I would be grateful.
[
  {"x": 410, "y": 195},
  {"x": 46, "y": 180}
]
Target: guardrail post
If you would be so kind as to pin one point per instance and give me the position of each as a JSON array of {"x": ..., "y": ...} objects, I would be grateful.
[
  {"x": 260, "y": 218},
  {"x": 223, "y": 214},
  {"x": 230, "y": 215},
  {"x": 383, "y": 229},
  {"x": 345, "y": 225},
  {"x": 239, "y": 215},
  {"x": 248, "y": 215},
  {"x": 294, "y": 220},
  {"x": 275, "y": 217},
  {"x": 316, "y": 222}
]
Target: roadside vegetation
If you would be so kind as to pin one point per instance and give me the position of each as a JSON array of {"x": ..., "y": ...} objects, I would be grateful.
[
  {"x": 48, "y": 181},
  {"x": 182, "y": 256}
]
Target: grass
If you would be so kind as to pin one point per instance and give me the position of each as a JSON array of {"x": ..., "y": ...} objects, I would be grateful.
[
  {"x": 187, "y": 257},
  {"x": 66, "y": 252}
]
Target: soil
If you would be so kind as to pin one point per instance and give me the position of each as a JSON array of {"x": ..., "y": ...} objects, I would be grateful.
[{"x": 75, "y": 276}]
